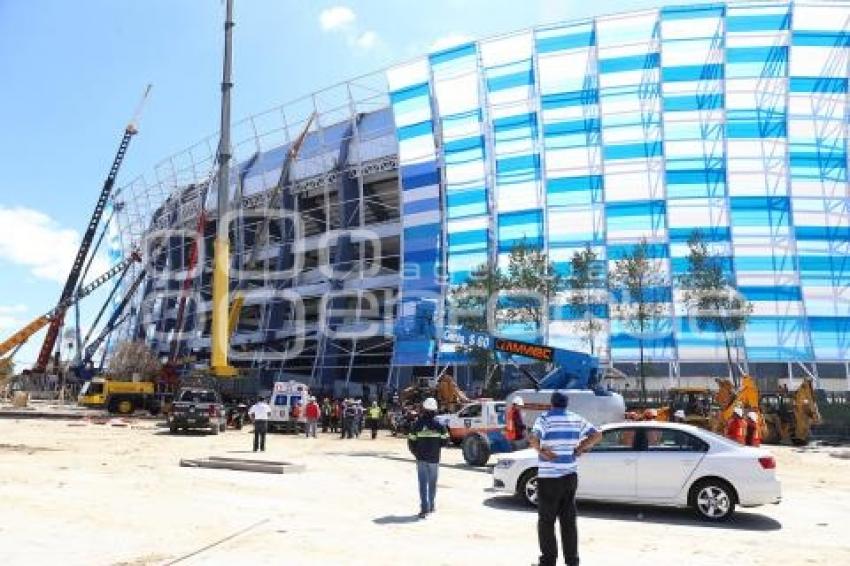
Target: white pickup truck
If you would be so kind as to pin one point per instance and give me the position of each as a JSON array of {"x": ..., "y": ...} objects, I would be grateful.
[{"x": 481, "y": 415}]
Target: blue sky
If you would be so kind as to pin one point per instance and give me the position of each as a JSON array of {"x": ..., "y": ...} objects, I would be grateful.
[{"x": 74, "y": 70}]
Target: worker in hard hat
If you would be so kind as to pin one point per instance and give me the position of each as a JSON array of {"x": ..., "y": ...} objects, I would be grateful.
[
  {"x": 373, "y": 418},
  {"x": 736, "y": 429},
  {"x": 753, "y": 437},
  {"x": 679, "y": 416},
  {"x": 426, "y": 438},
  {"x": 514, "y": 425}
]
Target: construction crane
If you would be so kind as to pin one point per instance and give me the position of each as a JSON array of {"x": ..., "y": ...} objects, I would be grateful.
[
  {"x": 219, "y": 338},
  {"x": 18, "y": 338},
  {"x": 114, "y": 321},
  {"x": 58, "y": 313}
]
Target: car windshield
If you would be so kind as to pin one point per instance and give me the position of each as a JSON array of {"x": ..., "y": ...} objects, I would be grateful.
[
  {"x": 198, "y": 397},
  {"x": 471, "y": 412},
  {"x": 714, "y": 437},
  {"x": 90, "y": 388}
]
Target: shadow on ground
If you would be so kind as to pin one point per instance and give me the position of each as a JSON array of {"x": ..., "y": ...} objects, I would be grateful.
[
  {"x": 396, "y": 519},
  {"x": 394, "y": 457},
  {"x": 740, "y": 521}
]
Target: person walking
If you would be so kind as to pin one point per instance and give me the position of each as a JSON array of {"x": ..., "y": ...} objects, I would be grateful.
[
  {"x": 358, "y": 419},
  {"x": 426, "y": 438},
  {"x": 327, "y": 410},
  {"x": 349, "y": 414},
  {"x": 560, "y": 437},
  {"x": 311, "y": 414},
  {"x": 259, "y": 413},
  {"x": 374, "y": 418},
  {"x": 336, "y": 416}
]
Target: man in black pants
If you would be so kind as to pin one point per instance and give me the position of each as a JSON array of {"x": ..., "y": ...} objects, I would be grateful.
[
  {"x": 259, "y": 413},
  {"x": 560, "y": 437}
]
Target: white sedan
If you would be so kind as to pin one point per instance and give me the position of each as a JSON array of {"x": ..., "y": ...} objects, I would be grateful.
[{"x": 659, "y": 463}]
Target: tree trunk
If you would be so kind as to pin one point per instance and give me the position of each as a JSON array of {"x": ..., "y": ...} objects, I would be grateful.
[
  {"x": 642, "y": 373},
  {"x": 732, "y": 373}
]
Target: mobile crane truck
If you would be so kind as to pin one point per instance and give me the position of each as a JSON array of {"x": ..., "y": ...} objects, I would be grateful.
[{"x": 481, "y": 433}]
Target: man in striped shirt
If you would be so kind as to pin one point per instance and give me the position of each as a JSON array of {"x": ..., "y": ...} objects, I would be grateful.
[{"x": 560, "y": 437}]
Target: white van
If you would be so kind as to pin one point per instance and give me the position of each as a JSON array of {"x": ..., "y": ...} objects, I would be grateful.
[{"x": 285, "y": 395}]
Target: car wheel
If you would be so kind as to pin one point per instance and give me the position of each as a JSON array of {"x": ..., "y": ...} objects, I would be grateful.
[
  {"x": 713, "y": 500},
  {"x": 527, "y": 487},
  {"x": 126, "y": 407},
  {"x": 476, "y": 450}
]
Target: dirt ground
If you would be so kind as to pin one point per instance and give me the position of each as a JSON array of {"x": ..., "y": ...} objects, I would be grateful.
[{"x": 82, "y": 493}]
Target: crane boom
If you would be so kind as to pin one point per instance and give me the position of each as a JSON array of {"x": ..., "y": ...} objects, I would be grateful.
[
  {"x": 115, "y": 320},
  {"x": 77, "y": 267},
  {"x": 24, "y": 334}
]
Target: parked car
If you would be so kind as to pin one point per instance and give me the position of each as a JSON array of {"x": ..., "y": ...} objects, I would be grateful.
[
  {"x": 659, "y": 463},
  {"x": 197, "y": 409}
]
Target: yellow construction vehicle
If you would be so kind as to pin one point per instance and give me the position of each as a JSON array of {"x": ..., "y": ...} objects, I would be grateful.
[
  {"x": 697, "y": 403},
  {"x": 727, "y": 399},
  {"x": 122, "y": 397},
  {"x": 789, "y": 414}
]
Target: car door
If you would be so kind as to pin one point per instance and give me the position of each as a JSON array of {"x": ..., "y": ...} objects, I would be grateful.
[
  {"x": 471, "y": 417},
  {"x": 666, "y": 459},
  {"x": 280, "y": 408},
  {"x": 608, "y": 472}
]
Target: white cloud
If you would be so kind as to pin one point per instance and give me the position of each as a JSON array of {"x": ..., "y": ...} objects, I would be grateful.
[
  {"x": 367, "y": 40},
  {"x": 338, "y": 17},
  {"x": 342, "y": 19},
  {"x": 449, "y": 40},
  {"x": 9, "y": 319},
  {"x": 32, "y": 239}
]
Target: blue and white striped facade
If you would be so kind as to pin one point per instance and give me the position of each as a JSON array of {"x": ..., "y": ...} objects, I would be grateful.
[{"x": 727, "y": 118}]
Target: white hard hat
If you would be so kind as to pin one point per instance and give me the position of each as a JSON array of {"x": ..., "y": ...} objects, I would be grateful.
[
  {"x": 753, "y": 416},
  {"x": 430, "y": 404},
  {"x": 739, "y": 411},
  {"x": 680, "y": 414},
  {"x": 518, "y": 401}
]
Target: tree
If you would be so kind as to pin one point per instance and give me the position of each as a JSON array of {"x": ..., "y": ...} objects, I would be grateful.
[
  {"x": 520, "y": 294},
  {"x": 708, "y": 292},
  {"x": 534, "y": 278},
  {"x": 586, "y": 281},
  {"x": 469, "y": 305},
  {"x": 131, "y": 358},
  {"x": 635, "y": 280}
]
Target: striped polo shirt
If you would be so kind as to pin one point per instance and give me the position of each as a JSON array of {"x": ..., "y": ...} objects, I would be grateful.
[{"x": 560, "y": 430}]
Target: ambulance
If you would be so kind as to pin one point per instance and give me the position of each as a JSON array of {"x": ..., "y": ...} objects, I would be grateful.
[{"x": 285, "y": 396}]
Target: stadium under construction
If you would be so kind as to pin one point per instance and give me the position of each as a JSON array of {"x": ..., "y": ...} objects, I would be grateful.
[{"x": 356, "y": 209}]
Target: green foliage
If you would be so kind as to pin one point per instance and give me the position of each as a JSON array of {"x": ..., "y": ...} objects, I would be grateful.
[
  {"x": 519, "y": 294},
  {"x": 587, "y": 280},
  {"x": 708, "y": 293},
  {"x": 632, "y": 279}
]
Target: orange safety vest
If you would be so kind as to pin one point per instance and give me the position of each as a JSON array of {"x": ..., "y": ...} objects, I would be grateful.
[
  {"x": 753, "y": 434},
  {"x": 510, "y": 429},
  {"x": 737, "y": 430}
]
